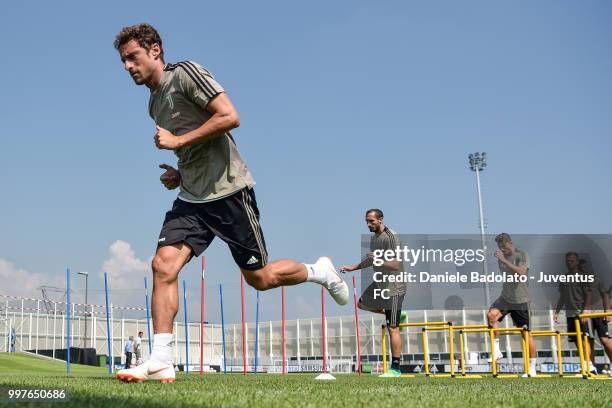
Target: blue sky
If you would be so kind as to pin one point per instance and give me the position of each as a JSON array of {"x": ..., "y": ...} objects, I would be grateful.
[{"x": 344, "y": 106}]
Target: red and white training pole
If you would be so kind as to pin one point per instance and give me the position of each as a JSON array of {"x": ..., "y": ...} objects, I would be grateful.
[
  {"x": 325, "y": 375},
  {"x": 357, "y": 327},
  {"x": 243, "y": 325},
  {"x": 284, "y": 370},
  {"x": 202, "y": 320}
]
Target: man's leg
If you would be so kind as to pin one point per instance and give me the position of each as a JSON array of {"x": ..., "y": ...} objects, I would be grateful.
[
  {"x": 287, "y": 272},
  {"x": 607, "y": 345},
  {"x": 600, "y": 326},
  {"x": 396, "y": 346},
  {"x": 166, "y": 264},
  {"x": 284, "y": 272},
  {"x": 235, "y": 219},
  {"x": 493, "y": 316},
  {"x": 392, "y": 315}
]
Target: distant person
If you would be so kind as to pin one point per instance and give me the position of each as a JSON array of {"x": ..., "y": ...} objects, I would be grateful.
[
  {"x": 575, "y": 299},
  {"x": 138, "y": 348},
  {"x": 600, "y": 302},
  {"x": 384, "y": 238},
  {"x": 129, "y": 350},
  {"x": 514, "y": 299}
]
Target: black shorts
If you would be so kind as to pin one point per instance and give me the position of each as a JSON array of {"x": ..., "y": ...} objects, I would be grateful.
[
  {"x": 234, "y": 219},
  {"x": 571, "y": 328},
  {"x": 518, "y": 311},
  {"x": 392, "y": 307}
]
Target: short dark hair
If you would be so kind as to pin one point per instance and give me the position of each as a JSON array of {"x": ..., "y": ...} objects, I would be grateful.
[
  {"x": 503, "y": 238},
  {"x": 140, "y": 332},
  {"x": 144, "y": 34},
  {"x": 379, "y": 214},
  {"x": 572, "y": 253}
]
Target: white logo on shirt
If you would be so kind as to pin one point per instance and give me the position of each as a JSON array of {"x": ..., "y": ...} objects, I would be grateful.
[{"x": 252, "y": 261}]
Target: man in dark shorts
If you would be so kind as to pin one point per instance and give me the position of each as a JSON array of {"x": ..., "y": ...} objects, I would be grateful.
[
  {"x": 194, "y": 117},
  {"x": 514, "y": 299},
  {"x": 384, "y": 238},
  {"x": 600, "y": 302},
  {"x": 577, "y": 298}
]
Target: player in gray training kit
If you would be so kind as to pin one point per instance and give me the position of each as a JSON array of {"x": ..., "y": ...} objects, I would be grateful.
[
  {"x": 194, "y": 118},
  {"x": 514, "y": 299},
  {"x": 384, "y": 238}
]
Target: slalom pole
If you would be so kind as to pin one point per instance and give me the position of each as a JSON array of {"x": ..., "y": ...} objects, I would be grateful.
[
  {"x": 202, "y": 320},
  {"x": 108, "y": 333},
  {"x": 148, "y": 315},
  {"x": 243, "y": 325},
  {"x": 68, "y": 321},
  {"x": 256, "y": 333},
  {"x": 186, "y": 328},
  {"x": 324, "y": 375},
  {"x": 357, "y": 327},
  {"x": 284, "y": 370},
  {"x": 323, "y": 333},
  {"x": 223, "y": 330}
]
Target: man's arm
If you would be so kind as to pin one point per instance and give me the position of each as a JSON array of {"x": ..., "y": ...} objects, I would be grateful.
[
  {"x": 366, "y": 263},
  {"x": 224, "y": 118},
  {"x": 520, "y": 269}
]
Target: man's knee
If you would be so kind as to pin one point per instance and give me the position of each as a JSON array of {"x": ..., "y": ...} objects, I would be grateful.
[
  {"x": 164, "y": 269},
  {"x": 493, "y": 315},
  {"x": 260, "y": 280}
]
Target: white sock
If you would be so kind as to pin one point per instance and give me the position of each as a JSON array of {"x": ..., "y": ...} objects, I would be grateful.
[
  {"x": 497, "y": 347},
  {"x": 316, "y": 274},
  {"x": 162, "y": 348},
  {"x": 532, "y": 363}
]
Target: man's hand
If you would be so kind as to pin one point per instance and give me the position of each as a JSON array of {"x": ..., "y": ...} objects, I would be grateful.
[
  {"x": 556, "y": 317},
  {"x": 164, "y": 139},
  {"x": 349, "y": 268},
  {"x": 500, "y": 255},
  {"x": 585, "y": 320},
  {"x": 171, "y": 179}
]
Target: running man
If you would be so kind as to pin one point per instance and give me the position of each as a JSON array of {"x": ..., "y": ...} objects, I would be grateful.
[
  {"x": 384, "y": 238},
  {"x": 514, "y": 299},
  {"x": 193, "y": 117},
  {"x": 576, "y": 298},
  {"x": 599, "y": 303}
]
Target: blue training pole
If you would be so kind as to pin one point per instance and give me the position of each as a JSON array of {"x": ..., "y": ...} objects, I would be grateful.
[
  {"x": 186, "y": 328},
  {"x": 148, "y": 316},
  {"x": 110, "y": 356},
  {"x": 223, "y": 329},
  {"x": 256, "y": 332},
  {"x": 68, "y": 314}
]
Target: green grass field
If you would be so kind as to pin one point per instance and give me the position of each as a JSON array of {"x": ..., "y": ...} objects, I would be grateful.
[{"x": 93, "y": 387}]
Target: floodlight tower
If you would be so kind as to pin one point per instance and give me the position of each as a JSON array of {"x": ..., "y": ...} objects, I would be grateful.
[{"x": 478, "y": 162}]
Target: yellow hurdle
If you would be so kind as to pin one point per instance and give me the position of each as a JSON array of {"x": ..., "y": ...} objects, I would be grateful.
[
  {"x": 383, "y": 333},
  {"x": 583, "y": 343},
  {"x": 580, "y": 346},
  {"x": 491, "y": 332},
  {"x": 557, "y": 335},
  {"x": 424, "y": 325}
]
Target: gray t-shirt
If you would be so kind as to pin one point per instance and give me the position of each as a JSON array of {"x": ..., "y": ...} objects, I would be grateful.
[
  {"x": 515, "y": 292},
  {"x": 209, "y": 170},
  {"x": 388, "y": 239},
  {"x": 573, "y": 295}
]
